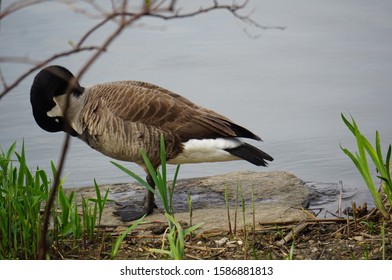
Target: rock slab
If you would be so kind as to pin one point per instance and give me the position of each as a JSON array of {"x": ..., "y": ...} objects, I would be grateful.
[{"x": 278, "y": 196}]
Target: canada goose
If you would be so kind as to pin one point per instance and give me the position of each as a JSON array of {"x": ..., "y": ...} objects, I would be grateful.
[{"x": 119, "y": 119}]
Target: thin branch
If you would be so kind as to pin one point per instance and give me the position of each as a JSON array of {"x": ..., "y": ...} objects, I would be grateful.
[
  {"x": 172, "y": 5},
  {"x": 2, "y": 79},
  {"x": 148, "y": 13},
  {"x": 71, "y": 4},
  {"x": 233, "y": 9},
  {"x": 40, "y": 65},
  {"x": 93, "y": 29},
  {"x": 177, "y": 15},
  {"x": 43, "y": 243},
  {"x": 248, "y": 20},
  {"x": 12, "y": 8},
  {"x": 18, "y": 59}
]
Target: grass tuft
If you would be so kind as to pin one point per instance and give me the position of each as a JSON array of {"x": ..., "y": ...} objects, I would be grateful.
[
  {"x": 360, "y": 160},
  {"x": 23, "y": 194}
]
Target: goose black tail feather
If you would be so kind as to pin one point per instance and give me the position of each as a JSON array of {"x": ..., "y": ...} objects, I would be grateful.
[{"x": 251, "y": 154}]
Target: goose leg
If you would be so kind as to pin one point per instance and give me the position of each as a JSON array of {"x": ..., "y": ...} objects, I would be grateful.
[
  {"x": 133, "y": 212},
  {"x": 149, "y": 203}
]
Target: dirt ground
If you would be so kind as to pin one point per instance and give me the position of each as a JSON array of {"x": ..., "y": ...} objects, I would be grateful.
[
  {"x": 278, "y": 229},
  {"x": 364, "y": 237}
]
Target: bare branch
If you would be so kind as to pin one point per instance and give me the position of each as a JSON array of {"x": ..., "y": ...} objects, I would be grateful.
[
  {"x": 43, "y": 243},
  {"x": 94, "y": 5},
  {"x": 18, "y": 59},
  {"x": 247, "y": 19},
  {"x": 2, "y": 79},
  {"x": 12, "y": 8},
  {"x": 177, "y": 15},
  {"x": 39, "y": 65},
  {"x": 93, "y": 29},
  {"x": 153, "y": 10}
]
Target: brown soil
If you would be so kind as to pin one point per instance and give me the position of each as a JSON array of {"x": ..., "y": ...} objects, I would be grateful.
[
  {"x": 326, "y": 239},
  {"x": 277, "y": 228}
]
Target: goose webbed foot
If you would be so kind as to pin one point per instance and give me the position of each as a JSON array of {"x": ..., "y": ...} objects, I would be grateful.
[{"x": 132, "y": 212}]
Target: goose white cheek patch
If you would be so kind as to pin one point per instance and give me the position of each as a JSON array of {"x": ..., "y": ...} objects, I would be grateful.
[{"x": 56, "y": 110}]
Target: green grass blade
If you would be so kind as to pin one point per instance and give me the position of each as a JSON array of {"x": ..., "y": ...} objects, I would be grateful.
[
  {"x": 150, "y": 168},
  {"x": 99, "y": 201},
  {"x": 163, "y": 157},
  {"x": 159, "y": 181},
  {"x": 171, "y": 190},
  {"x": 192, "y": 229},
  {"x": 388, "y": 187},
  {"x": 353, "y": 159},
  {"x": 163, "y": 252},
  {"x": 176, "y": 238},
  {"x": 360, "y": 161},
  {"x": 117, "y": 245},
  {"x": 378, "y": 146},
  {"x": 348, "y": 124},
  {"x": 375, "y": 155},
  {"x": 134, "y": 176}
]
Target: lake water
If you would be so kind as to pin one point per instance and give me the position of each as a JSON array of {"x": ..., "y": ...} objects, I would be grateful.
[{"x": 289, "y": 86}]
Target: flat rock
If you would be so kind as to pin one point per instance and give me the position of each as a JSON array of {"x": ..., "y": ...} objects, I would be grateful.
[{"x": 278, "y": 196}]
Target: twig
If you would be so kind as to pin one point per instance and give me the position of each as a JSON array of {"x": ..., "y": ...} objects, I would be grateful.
[
  {"x": 309, "y": 221},
  {"x": 93, "y": 29},
  {"x": 43, "y": 244},
  {"x": 296, "y": 230},
  {"x": 2, "y": 79},
  {"x": 348, "y": 227},
  {"x": 355, "y": 212},
  {"x": 193, "y": 257},
  {"x": 228, "y": 208},
  {"x": 236, "y": 211},
  {"x": 40, "y": 65},
  {"x": 12, "y": 8},
  {"x": 253, "y": 216},
  {"x": 340, "y": 199},
  {"x": 233, "y": 9},
  {"x": 204, "y": 248}
]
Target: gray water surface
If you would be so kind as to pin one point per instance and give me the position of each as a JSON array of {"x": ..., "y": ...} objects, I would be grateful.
[{"x": 288, "y": 86}]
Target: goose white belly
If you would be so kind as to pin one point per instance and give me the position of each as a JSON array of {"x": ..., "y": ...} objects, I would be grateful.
[{"x": 207, "y": 150}]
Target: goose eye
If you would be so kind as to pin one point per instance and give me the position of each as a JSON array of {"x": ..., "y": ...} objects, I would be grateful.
[{"x": 57, "y": 120}]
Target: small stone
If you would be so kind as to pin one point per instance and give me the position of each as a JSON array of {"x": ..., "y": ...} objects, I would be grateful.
[
  {"x": 231, "y": 243},
  {"x": 221, "y": 241},
  {"x": 358, "y": 238}
]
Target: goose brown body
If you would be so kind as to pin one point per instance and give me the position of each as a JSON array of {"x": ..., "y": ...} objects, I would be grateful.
[{"x": 120, "y": 119}]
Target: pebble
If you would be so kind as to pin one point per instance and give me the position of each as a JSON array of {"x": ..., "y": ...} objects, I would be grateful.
[
  {"x": 221, "y": 241},
  {"x": 358, "y": 238}
]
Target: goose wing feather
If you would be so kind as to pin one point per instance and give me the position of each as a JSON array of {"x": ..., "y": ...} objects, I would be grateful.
[{"x": 152, "y": 105}]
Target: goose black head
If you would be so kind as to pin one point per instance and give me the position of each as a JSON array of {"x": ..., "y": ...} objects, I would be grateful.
[{"x": 50, "y": 82}]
